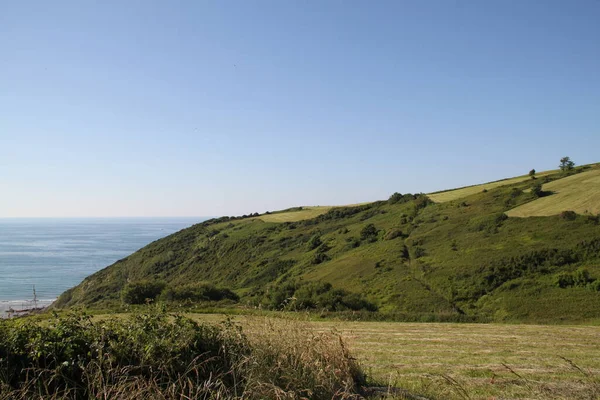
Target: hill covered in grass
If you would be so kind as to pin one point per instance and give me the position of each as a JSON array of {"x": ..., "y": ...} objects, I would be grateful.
[{"x": 461, "y": 258}]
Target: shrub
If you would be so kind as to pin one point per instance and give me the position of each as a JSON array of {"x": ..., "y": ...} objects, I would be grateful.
[
  {"x": 419, "y": 252},
  {"x": 142, "y": 291},
  {"x": 393, "y": 234},
  {"x": 198, "y": 292},
  {"x": 564, "y": 280},
  {"x": 394, "y": 198},
  {"x": 568, "y": 215},
  {"x": 581, "y": 277},
  {"x": 314, "y": 242},
  {"x": 532, "y": 174},
  {"x": 594, "y": 286},
  {"x": 536, "y": 190},
  {"x": 316, "y": 296},
  {"x": 352, "y": 243},
  {"x": 320, "y": 257},
  {"x": 369, "y": 233}
]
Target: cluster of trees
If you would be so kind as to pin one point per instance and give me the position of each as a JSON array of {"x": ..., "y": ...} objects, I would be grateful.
[
  {"x": 314, "y": 296},
  {"x": 537, "y": 261},
  {"x": 147, "y": 291}
]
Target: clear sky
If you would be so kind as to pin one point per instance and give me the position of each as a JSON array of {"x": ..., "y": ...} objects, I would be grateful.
[{"x": 173, "y": 108}]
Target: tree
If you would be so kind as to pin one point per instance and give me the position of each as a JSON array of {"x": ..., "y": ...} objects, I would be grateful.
[
  {"x": 536, "y": 190},
  {"x": 369, "y": 232},
  {"x": 566, "y": 164},
  {"x": 532, "y": 174}
]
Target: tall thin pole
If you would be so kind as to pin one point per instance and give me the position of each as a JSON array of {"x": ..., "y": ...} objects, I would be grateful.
[{"x": 34, "y": 298}]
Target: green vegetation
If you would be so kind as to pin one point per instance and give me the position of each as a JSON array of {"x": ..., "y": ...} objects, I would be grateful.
[
  {"x": 155, "y": 356},
  {"x": 407, "y": 257},
  {"x": 566, "y": 164}
]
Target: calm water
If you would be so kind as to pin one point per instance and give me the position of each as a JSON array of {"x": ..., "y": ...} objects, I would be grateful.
[{"x": 56, "y": 254}]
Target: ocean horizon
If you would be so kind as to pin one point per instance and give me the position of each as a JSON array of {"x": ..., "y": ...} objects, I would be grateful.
[{"x": 55, "y": 254}]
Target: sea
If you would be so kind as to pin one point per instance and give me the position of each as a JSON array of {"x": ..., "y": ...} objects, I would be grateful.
[{"x": 50, "y": 255}]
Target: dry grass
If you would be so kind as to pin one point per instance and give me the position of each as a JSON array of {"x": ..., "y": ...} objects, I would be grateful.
[
  {"x": 579, "y": 193},
  {"x": 455, "y": 194},
  {"x": 307, "y": 212},
  {"x": 473, "y": 361},
  {"x": 293, "y": 216}
]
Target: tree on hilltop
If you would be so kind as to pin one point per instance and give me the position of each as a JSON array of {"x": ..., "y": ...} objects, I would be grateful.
[
  {"x": 532, "y": 174},
  {"x": 566, "y": 164}
]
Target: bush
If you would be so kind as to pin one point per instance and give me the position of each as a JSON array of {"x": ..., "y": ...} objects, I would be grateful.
[
  {"x": 536, "y": 190},
  {"x": 568, "y": 215},
  {"x": 314, "y": 242},
  {"x": 316, "y": 296},
  {"x": 368, "y": 233},
  {"x": 419, "y": 252},
  {"x": 320, "y": 257},
  {"x": 171, "y": 357},
  {"x": 394, "y": 198},
  {"x": 195, "y": 292},
  {"x": 142, "y": 292},
  {"x": 564, "y": 280},
  {"x": 581, "y": 277},
  {"x": 393, "y": 234}
]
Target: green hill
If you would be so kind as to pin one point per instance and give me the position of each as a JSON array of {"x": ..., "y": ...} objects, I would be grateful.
[{"x": 458, "y": 258}]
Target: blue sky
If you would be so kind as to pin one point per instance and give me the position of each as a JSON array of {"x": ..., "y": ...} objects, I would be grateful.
[{"x": 144, "y": 108}]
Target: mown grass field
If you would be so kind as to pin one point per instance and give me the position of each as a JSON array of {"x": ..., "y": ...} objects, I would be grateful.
[
  {"x": 455, "y": 194},
  {"x": 469, "y": 361},
  {"x": 579, "y": 193},
  {"x": 293, "y": 216}
]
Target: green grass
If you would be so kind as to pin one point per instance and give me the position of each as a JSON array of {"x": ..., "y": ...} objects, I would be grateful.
[{"x": 579, "y": 193}]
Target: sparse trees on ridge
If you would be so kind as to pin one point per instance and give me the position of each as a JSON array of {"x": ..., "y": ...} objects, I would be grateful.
[
  {"x": 532, "y": 174},
  {"x": 566, "y": 164}
]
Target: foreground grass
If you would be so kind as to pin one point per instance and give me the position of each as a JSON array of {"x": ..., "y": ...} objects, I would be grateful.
[
  {"x": 469, "y": 361},
  {"x": 159, "y": 356},
  {"x": 579, "y": 193}
]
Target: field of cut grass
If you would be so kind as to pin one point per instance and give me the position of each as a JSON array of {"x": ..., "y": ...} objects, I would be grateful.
[
  {"x": 306, "y": 212},
  {"x": 449, "y": 195},
  {"x": 296, "y": 215},
  {"x": 579, "y": 193},
  {"x": 470, "y": 361}
]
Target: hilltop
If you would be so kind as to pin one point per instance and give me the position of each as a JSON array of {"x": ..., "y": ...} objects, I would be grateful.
[{"x": 496, "y": 251}]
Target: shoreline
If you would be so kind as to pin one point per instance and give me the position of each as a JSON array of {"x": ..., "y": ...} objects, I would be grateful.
[{"x": 20, "y": 305}]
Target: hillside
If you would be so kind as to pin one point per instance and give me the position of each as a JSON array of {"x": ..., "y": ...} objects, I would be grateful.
[{"x": 460, "y": 258}]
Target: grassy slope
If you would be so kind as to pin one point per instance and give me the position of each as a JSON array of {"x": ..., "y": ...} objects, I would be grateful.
[
  {"x": 455, "y": 194},
  {"x": 458, "y": 253},
  {"x": 579, "y": 193}
]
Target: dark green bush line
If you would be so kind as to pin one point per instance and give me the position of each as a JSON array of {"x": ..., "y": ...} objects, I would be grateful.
[
  {"x": 539, "y": 261},
  {"x": 300, "y": 296},
  {"x": 147, "y": 291},
  {"x": 580, "y": 278}
]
